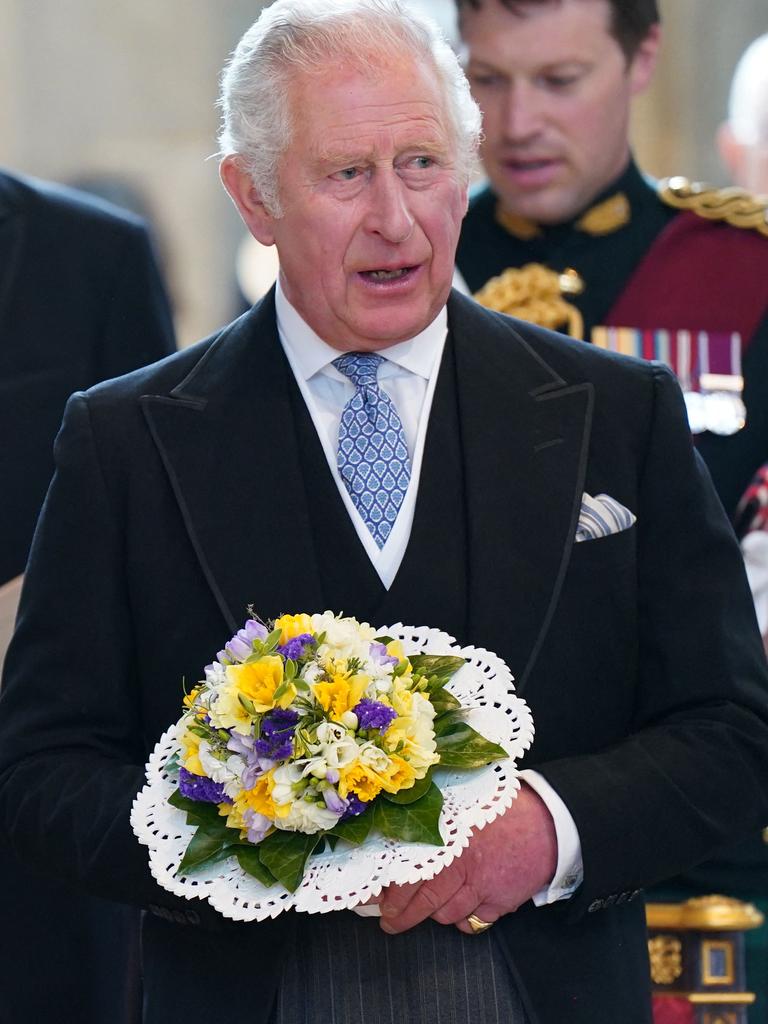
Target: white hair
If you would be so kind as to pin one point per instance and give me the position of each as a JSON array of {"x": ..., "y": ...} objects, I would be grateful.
[
  {"x": 748, "y": 103},
  {"x": 293, "y": 37}
]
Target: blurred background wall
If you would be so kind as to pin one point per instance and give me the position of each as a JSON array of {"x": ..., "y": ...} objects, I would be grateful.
[{"x": 120, "y": 97}]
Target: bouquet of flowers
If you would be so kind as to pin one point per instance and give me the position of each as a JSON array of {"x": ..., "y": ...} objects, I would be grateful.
[{"x": 312, "y": 731}]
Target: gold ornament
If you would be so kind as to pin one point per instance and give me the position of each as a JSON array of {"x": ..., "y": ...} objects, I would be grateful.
[
  {"x": 606, "y": 217},
  {"x": 666, "y": 956},
  {"x": 735, "y": 206},
  {"x": 535, "y": 293}
]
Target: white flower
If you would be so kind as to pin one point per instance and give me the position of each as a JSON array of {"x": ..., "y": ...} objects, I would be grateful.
[
  {"x": 334, "y": 748},
  {"x": 344, "y": 638},
  {"x": 228, "y": 773},
  {"x": 285, "y": 778},
  {"x": 312, "y": 672},
  {"x": 374, "y": 757},
  {"x": 215, "y": 674},
  {"x": 307, "y": 817}
]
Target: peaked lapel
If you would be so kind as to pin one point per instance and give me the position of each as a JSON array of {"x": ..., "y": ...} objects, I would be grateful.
[
  {"x": 227, "y": 438},
  {"x": 11, "y": 237},
  {"x": 525, "y": 436}
]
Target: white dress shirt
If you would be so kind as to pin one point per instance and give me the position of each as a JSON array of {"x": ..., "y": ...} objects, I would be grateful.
[{"x": 408, "y": 375}]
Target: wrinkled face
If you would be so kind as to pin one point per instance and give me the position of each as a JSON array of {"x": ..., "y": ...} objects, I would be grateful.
[
  {"x": 371, "y": 205},
  {"x": 555, "y": 89}
]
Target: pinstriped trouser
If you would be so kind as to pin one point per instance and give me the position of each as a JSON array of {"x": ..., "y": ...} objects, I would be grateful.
[{"x": 345, "y": 970}]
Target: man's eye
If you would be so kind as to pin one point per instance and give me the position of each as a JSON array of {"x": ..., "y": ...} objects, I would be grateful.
[
  {"x": 347, "y": 174},
  {"x": 486, "y": 80},
  {"x": 560, "y": 81},
  {"x": 422, "y": 163}
]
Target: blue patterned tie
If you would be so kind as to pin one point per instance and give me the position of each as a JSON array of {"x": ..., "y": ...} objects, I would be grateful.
[{"x": 373, "y": 454}]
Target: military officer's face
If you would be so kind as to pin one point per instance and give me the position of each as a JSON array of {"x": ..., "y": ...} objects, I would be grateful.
[{"x": 555, "y": 88}]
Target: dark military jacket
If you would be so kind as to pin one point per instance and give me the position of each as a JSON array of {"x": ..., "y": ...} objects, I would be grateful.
[{"x": 605, "y": 245}]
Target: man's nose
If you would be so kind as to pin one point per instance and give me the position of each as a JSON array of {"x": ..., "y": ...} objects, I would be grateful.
[
  {"x": 522, "y": 112},
  {"x": 389, "y": 213}
]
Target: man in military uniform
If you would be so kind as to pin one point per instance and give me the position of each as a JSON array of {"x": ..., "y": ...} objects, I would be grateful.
[
  {"x": 676, "y": 269},
  {"x": 571, "y": 234}
]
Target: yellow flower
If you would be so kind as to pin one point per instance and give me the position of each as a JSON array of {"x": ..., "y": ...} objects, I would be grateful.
[
  {"x": 293, "y": 625},
  {"x": 189, "y": 698},
  {"x": 191, "y": 755},
  {"x": 341, "y": 694},
  {"x": 403, "y": 775},
  {"x": 395, "y": 650},
  {"x": 258, "y": 799},
  {"x": 359, "y": 780},
  {"x": 258, "y": 681}
]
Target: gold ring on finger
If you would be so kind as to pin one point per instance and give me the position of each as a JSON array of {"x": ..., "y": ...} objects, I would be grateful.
[{"x": 478, "y": 925}]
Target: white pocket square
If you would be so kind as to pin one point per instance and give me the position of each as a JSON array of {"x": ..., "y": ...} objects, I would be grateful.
[{"x": 602, "y": 516}]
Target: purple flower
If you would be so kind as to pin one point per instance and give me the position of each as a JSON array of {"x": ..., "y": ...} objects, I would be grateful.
[
  {"x": 355, "y": 806},
  {"x": 200, "y": 787},
  {"x": 333, "y": 801},
  {"x": 276, "y": 740},
  {"x": 238, "y": 649},
  {"x": 295, "y": 647},
  {"x": 253, "y": 630},
  {"x": 373, "y": 715},
  {"x": 257, "y": 825},
  {"x": 380, "y": 656}
]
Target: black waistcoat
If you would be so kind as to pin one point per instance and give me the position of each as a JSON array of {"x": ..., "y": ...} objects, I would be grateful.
[{"x": 430, "y": 588}]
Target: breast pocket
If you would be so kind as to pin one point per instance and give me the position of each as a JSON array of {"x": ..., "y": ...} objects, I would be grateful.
[{"x": 605, "y": 553}]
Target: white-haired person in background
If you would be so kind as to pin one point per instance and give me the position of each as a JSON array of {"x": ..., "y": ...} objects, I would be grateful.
[{"x": 743, "y": 138}]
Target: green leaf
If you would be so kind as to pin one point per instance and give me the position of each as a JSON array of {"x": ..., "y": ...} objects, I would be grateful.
[
  {"x": 290, "y": 669},
  {"x": 354, "y": 830},
  {"x": 410, "y": 796},
  {"x": 249, "y": 859},
  {"x": 272, "y": 641},
  {"x": 200, "y": 812},
  {"x": 460, "y": 746},
  {"x": 383, "y": 640},
  {"x": 438, "y": 668},
  {"x": 203, "y": 848},
  {"x": 247, "y": 704},
  {"x": 442, "y": 700},
  {"x": 418, "y": 822},
  {"x": 285, "y": 854}
]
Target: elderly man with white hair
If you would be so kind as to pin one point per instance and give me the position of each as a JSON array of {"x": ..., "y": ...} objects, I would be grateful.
[
  {"x": 221, "y": 478},
  {"x": 743, "y": 138}
]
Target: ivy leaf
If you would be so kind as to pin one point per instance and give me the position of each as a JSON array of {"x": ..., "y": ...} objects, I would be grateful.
[
  {"x": 460, "y": 746},
  {"x": 285, "y": 854},
  {"x": 249, "y": 859},
  {"x": 442, "y": 700},
  {"x": 410, "y": 796},
  {"x": 354, "y": 830},
  {"x": 204, "y": 847},
  {"x": 200, "y": 812},
  {"x": 418, "y": 822},
  {"x": 438, "y": 668},
  {"x": 383, "y": 640}
]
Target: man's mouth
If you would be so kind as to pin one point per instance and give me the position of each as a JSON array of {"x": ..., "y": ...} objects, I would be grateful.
[{"x": 383, "y": 275}]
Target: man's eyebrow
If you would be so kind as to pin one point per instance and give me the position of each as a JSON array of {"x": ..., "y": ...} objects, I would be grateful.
[{"x": 330, "y": 157}]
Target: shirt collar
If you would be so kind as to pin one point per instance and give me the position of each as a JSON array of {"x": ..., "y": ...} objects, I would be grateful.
[{"x": 310, "y": 355}]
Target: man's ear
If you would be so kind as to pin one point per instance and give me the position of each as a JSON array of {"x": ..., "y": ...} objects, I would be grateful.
[
  {"x": 643, "y": 63},
  {"x": 731, "y": 153},
  {"x": 246, "y": 198}
]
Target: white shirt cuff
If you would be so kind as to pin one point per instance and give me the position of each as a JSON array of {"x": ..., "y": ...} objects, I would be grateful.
[{"x": 570, "y": 869}]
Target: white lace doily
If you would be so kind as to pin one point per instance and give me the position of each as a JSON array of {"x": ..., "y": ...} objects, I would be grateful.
[{"x": 350, "y": 875}]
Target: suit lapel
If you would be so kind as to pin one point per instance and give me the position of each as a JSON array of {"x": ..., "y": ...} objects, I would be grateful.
[
  {"x": 227, "y": 438},
  {"x": 525, "y": 434}
]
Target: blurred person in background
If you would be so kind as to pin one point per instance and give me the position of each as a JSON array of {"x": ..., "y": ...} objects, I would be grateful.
[
  {"x": 81, "y": 300},
  {"x": 743, "y": 138},
  {"x": 673, "y": 268}
]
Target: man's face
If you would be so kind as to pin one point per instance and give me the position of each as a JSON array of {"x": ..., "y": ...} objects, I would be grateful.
[
  {"x": 372, "y": 205},
  {"x": 555, "y": 89}
]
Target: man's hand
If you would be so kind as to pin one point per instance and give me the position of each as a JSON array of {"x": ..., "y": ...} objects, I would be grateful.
[{"x": 505, "y": 864}]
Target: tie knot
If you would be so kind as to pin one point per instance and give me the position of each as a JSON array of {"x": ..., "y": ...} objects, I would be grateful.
[{"x": 361, "y": 367}]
